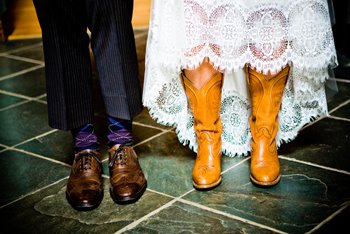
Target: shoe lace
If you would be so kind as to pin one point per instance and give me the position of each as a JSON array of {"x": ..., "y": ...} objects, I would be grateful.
[
  {"x": 119, "y": 157},
  {"x": 85, "y": 160}
]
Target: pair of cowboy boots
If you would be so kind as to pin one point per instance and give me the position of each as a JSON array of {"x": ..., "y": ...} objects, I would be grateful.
[{"x": 266, "y": 94}]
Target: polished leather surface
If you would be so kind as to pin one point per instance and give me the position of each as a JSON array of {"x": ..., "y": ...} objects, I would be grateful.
[
  {"x": 205, "y": 105},
  {"x": 128, "y": 182},
  {"x": 84, "y": 187},
  {"x": 266, "y": 94}
]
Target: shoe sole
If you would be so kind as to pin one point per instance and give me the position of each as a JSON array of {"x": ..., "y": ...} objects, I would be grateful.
[
  {"x": 130, "y": 199},
  {"x": 84, "y": 207},
  {"x": 206, "y": 186},
  {"x": 265, "y": 184}
]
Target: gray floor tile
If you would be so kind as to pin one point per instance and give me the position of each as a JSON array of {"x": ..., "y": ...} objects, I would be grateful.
[
  {"x": 7, "y": 100},
  {"x": 23, "y": 122},
  {"x": 343, "y": 112},
  {"x": 57, "y": 145},
  {"x": 35, "y": 53},
  {"x": 9, "y": 66},
  {"x": 339, "y": 224},
  {"x": 325, "y": 143},
  {"x": 31, "y": 84},
  {"x": 18, "y": 44},
  {"x": 49, "y": 210},
  {"x": 183, "y": 218},
  {"x": 304, "y": 197},
  {"x": 25, "y": 173}
]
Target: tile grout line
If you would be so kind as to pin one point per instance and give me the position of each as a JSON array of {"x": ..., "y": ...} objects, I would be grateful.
[
  {"x": 40, "y": 96},
  {"x": 229, "y": 215},
  {"x": 40, "y": 156},
  {"x": 160, "y": 193},
  {"x": 6, "y": 148},
  {"x": 27, "y": 99},
  {"x": 236, "y": 165},
  {"x": 27, "y": 140},
  {"x": 340, "y": 106},
  {"x": 338, "y": 118},
  {"x": 22, "y": 48},
  {"x": 328, "y": 218},
  {"x": 24, "y": 59},
  {"x": 149, "y": 126},
  {"x": 40, "y": 101},
  {"x": 340, "y": 80},
  {"x": 154, "y": 212},
  {"x": 14, "y": 105},
  {"x": 12, "y": 75},
  {"x": 36, "y": 137},
  {"x": 313, "y": 122},
  {"x": 314, "y": 165},
  {"x": 152, "y": 137},
  {"x": 20, "y": 95},
  {"x": 33, "y": 192}
]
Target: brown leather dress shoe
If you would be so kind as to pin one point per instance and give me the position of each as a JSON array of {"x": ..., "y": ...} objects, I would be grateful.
[
  {"x": 128, "y": 182},
  {"x": 84, "y": 187}
]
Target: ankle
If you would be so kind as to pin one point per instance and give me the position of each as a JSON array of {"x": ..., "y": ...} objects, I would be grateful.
[
  {"x": 85, "y": 138},
  {"x": 200, "y": 76},
  {"x": 119, "y": 132}
]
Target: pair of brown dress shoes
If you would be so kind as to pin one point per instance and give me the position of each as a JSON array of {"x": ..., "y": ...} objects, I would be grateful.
[{"x": 85, "y": 189}]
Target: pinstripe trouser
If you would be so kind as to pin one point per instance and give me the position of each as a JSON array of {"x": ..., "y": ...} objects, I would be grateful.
[{"x": 64, "y": 26}]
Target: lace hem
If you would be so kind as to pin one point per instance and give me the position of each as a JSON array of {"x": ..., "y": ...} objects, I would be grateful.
[{"x": 169, "y": 107}]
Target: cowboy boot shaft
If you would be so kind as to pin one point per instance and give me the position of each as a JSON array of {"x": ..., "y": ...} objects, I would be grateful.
[
  {"x": 266, "y": 95},
  {"x": 205, "y": 104}
]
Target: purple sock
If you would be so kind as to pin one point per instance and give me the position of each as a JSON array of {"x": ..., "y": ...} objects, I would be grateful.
[
  {"x": 85, "y": 138},
  {"x": 119, "y": 132}
]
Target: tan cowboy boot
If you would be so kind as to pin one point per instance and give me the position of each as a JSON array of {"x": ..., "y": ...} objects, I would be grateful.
[
  {"x": 205, "y": 105},
  {"x": 266, "y": 93}
]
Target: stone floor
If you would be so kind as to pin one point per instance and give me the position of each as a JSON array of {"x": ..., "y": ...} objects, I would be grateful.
[{"x": 313, "y": 195}]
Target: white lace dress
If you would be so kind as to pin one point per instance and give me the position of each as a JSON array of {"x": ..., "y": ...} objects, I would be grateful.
[{"x": 267, "y": 35}]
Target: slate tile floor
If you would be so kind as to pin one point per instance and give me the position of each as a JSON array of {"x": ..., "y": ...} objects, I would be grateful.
[{"x": 313, "y": 196}]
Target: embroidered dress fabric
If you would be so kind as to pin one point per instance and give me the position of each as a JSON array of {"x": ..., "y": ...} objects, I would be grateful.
[{"x": 266, "y": 35}]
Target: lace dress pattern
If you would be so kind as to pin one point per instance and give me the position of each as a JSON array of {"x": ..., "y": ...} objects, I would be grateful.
[{"x": 266, "y": 35}]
